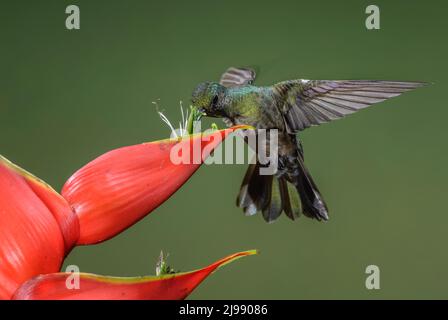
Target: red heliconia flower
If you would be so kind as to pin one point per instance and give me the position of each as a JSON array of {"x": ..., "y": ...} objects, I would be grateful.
[
  {"x": 117, "y": 189},
  {"x": 39, "y": 227},
  {"x": 164, "y": 287}
]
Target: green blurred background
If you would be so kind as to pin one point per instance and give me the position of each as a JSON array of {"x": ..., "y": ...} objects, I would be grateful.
[{"x": 69, "y": 96}]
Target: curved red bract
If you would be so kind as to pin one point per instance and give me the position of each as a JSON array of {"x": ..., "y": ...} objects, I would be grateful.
[
  {"x": 31, "y": 241},
  {"x": 117, "y": 189},
  {"x": 95, "y": 287}
]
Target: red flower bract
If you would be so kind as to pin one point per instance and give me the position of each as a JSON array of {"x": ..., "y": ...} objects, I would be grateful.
[
  {"x": 31, "y": 239},
  {"x": 165, "y": 287},
  {"x": 120, "y": 187}
]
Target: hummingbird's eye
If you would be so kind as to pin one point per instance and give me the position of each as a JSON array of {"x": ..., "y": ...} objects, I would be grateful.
[{"x": 215, "y": 100}]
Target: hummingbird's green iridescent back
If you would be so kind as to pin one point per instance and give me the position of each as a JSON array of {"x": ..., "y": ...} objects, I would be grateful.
[{"x": 255, "y": 106}]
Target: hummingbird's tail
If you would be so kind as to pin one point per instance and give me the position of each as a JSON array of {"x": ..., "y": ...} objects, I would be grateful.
[{"x": 273, "y": 195}]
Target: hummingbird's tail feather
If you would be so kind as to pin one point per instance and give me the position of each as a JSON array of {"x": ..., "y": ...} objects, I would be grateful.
[
  {"x": 255, "y": 191},
  {"x": 290, "y": 198},
  {"x": 313, "y": 205},
  {"x": 274, "y": 206}
]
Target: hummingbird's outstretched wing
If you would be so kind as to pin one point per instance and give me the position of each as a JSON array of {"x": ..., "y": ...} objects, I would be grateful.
[
  {"x": 235, "y": 77},
  {"x": 310, "y": 103}
]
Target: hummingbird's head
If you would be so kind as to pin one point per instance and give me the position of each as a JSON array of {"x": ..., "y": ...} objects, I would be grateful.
[{"x": 208, "y": 97}]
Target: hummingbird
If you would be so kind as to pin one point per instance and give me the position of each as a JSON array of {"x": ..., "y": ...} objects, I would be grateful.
[{"x": 290, "y": 107}]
